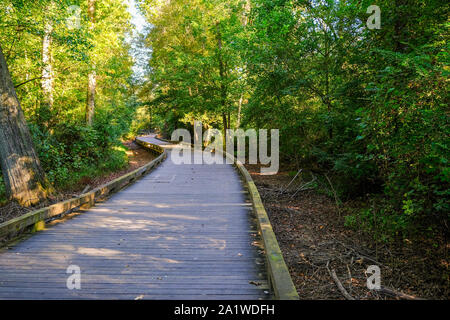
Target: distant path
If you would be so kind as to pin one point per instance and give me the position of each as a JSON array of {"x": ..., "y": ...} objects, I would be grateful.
[{"x": 181, "y": 232}]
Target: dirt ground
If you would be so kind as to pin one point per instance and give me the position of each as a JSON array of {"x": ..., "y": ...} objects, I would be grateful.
[
  {"x": 315, "y": 242},
  {"x": 137, "y": 157}
]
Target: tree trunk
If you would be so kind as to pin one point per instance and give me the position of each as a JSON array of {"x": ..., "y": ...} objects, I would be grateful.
[
  {"x": 92, "y": 77},
  {"x": 327, "y": 86},
  {"x": 246, "y": 12},
  {"x": 223, "y": 87},
  {"x": 247, "y": 8},
  {"x": 23, "y": 176},
  {"x": 239, "y": 112},
  {"x": 47, "y": 68},
  {"x": 224, "y": 120}
]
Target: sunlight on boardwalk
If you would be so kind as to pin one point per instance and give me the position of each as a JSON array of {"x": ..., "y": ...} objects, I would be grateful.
[{"x": 181, "y": 232}]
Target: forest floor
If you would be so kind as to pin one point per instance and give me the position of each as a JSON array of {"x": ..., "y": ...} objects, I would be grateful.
[
  {"x": 315, "y": 242},
  {"x": 137, "y": 157}
]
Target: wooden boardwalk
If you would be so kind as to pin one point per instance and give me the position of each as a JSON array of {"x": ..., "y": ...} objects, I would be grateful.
[{"x": 181, "y": 232}]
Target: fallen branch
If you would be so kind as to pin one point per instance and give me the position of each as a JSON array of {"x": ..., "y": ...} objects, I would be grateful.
[
  {"x": 303, "y": 187},
  {"x": 397, "y": 294},
  {"x": 285, "y": 188},
  {"x": 339, "y": 284}
]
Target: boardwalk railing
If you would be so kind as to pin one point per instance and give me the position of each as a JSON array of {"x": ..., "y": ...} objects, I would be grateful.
[{"x": 36, "y": 219}]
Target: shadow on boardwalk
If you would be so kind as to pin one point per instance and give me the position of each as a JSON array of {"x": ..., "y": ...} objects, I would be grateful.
[{"x": 181, "y": 232}]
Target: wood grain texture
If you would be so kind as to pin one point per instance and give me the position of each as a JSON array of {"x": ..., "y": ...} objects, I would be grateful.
[{"x": 181, "y": 232}]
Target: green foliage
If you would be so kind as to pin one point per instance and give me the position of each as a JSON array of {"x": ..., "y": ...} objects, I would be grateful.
[
  {"x": 72, "y": 152},
  {"x": 405, "y": 125},
  {"x": 195, "y": 65},
  {"x": 367, "y": 107},
  {"x": 69, "y": 150}
]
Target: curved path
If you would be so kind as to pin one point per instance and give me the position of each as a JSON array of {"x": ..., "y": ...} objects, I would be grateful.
[{"x": 181, "y": 232}]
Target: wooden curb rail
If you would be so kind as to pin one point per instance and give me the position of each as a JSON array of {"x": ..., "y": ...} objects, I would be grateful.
[
  {"x": 37, "y": 218},
  {"x": 279, "y": 277}
]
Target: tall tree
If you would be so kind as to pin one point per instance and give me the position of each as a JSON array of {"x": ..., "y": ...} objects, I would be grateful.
[
  {"x": 92, "y": 77},
  {"x": 24, "y": 179},
  {"x": 47, "y": 67},
  {"x": 195, "y": 67},
  {"x": 223, "y": 85}
]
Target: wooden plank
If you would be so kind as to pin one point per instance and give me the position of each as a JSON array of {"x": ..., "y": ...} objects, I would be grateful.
[
  {"x": 119, "y": 296},
  {"x": 185, "y": 231},
  {"x": 135, "y": 290}
]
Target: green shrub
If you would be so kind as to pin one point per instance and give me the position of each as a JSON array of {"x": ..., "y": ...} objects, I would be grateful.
[{"x": 70, "y": 152}]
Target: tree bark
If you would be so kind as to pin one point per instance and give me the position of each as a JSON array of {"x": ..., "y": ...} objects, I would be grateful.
[
  {"x": 327, "y": 85},
  {"x": 47, "y": 68},
  {"x": 239, "y": 111},
  {"x": 246, "y": 11},
  {"x": 223, "y": 87},
  {"x": 92, "y": 77},
  {"x": 23, "y": 176}
]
